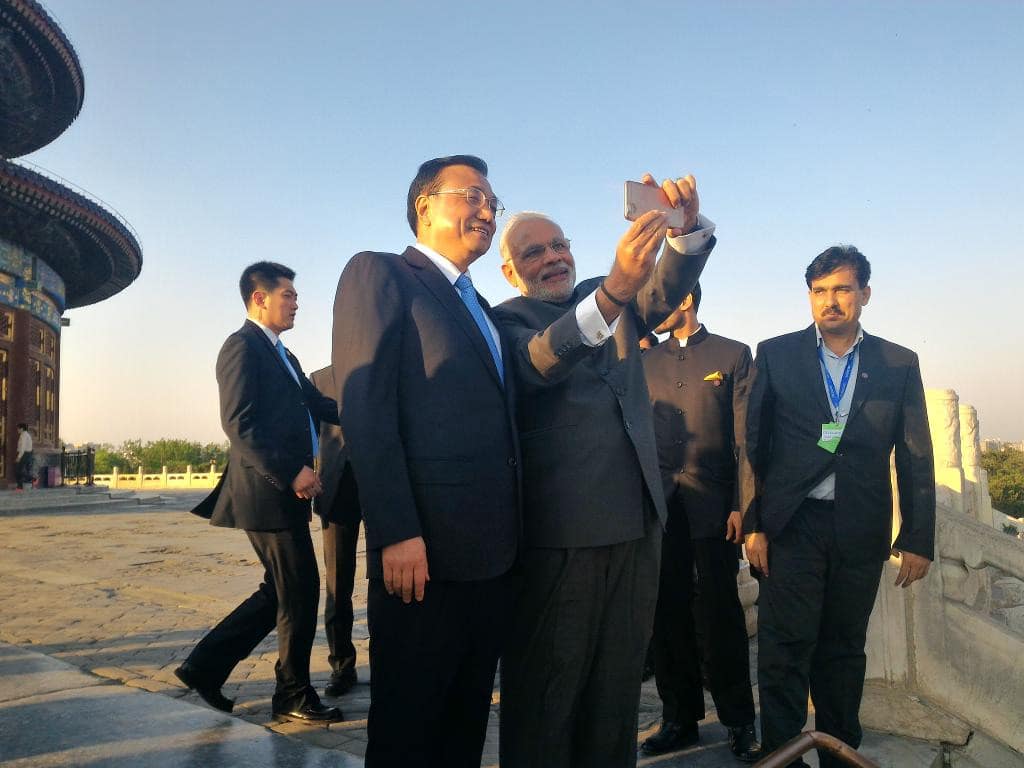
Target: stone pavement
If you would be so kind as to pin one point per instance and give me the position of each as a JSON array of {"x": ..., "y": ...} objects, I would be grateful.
[{"x": 122, "y": 593}]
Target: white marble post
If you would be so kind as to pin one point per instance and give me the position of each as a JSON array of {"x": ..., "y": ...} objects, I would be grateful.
[
  {"x": 969, "y": 449},
  {"x": 944, "y": 420}
]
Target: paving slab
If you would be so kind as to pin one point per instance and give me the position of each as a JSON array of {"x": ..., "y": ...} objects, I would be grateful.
[
  {"x": 103, "y": 605},
  {"x": 53, "y": 714}
]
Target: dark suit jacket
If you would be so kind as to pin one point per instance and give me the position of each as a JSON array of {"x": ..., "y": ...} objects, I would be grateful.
[
  {"x": 585, "y": 422},
  {"x": 700, "y": 427},
  {"x": 787, "y": 407},
  {"x": 339, "y": 502},
  {"x": 427, "y": 422},
  {"x": 264, "y": 414}
]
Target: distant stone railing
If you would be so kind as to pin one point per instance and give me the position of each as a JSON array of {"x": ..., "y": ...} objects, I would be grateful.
[
  {"x": 957, "y": 638},
  {"x": 159, "y": 480}
]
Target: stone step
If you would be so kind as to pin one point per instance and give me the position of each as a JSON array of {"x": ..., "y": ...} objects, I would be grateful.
[
  {"x": 71, "y": 500},
  {"x": 71, "y": 507},
  {"x": 58, "y": 495}
]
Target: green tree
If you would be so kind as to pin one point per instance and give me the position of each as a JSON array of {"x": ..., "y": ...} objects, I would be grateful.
[
  {"x": 131, "y": 451},
  {"x": 1005, "y": 480},
  {"x": 216, "y": 453},
  {"x": 174, "y": 453},
  {"x": 108, "y": 457}
]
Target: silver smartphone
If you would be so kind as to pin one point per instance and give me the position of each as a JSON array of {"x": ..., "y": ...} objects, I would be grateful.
[{"x": 641, "y": 198}]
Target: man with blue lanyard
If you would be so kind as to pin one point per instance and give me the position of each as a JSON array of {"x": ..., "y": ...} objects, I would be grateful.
[{"x": 828, "y": 405}]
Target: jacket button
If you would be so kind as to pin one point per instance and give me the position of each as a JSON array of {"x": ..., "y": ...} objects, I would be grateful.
[
  {"x": 679, "y": 385},
  {"x": 679, "y": 412},
  {"x": 627, "y": 425},
  {"x": 620, "y": 390},
  {"x": 512, "y": 461}
]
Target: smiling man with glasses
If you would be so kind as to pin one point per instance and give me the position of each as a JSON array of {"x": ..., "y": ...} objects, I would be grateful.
[
  {"x": 593, "y": 504},
  {"x": 426, "y": 414}
]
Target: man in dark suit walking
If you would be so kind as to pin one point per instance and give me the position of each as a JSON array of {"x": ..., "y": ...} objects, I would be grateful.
[
  {"x": 698, "y": 383},
  {"x": 269, "y": 411},
  {"x": 426, "y": 415},
  {"x": 593, "y": 504},
  {"x": 828, "y": 405},
  {"x": 338, "y": 505}
]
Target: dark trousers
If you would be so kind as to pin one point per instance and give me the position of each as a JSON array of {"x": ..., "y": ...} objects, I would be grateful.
[
  {"x": 570, "y": 677},
  {"x": 432, "y": 672},
  {"x": 23, "y": 469},
  {"x": 340, "y": 539},
  {"x": 700, "y": 635},
  {"x": 286, "y": 600},
  {"x": 813, "y": 616}
]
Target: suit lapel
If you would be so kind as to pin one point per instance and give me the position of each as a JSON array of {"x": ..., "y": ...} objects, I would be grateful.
[
  {"x": 445, "y": 293},
  {"x": 867, "y": 371},
  {"x": 810, "y": 371},
  {"x": 259, "y": 334}
]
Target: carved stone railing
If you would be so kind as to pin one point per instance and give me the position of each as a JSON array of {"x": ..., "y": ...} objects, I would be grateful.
[
  {"x": 956, "y": 639},
  {"x": 159, "y": 480}
]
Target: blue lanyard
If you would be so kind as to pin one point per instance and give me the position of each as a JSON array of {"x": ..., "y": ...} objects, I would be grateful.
[{"x": 836, "y": 397}]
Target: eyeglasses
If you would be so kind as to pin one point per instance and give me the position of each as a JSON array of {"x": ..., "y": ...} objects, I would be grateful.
[
  {"x": 476, "y": 198},
  {"x": 559, "y": 246}
]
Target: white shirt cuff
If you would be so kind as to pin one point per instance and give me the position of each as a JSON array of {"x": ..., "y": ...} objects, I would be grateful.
[
  {"x": 593, "y": 329},
  {"x": 694, "y": 241}
]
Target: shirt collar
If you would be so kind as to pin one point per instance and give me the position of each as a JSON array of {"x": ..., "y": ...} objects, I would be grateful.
[
  {"x": 856, "y": 341},
  {"x": 684, "y": 342},
  {"x": 448, "y": 269},
  {"x": 270, "y": 334}
]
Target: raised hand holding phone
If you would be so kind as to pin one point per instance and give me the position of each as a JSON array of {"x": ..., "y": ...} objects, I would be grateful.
[{"x": 677, "y": 199}]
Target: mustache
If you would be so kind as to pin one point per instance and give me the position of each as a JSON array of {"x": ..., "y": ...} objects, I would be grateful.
[{"x": 555, "y": 269}]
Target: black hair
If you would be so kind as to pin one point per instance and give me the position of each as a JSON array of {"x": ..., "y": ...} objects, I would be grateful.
[
  {"x": 425, "y": 180},
  {"x": 262, "y": 276},
  {"x": 837, "y": 257},
  {"x": 696, "y": 296}
]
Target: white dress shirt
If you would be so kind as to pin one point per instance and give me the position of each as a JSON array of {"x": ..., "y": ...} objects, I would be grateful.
[
  {"x": 451, "y": 272},
  {"x": 594, "y": 330},
  {"x": 835, "y": 364}
]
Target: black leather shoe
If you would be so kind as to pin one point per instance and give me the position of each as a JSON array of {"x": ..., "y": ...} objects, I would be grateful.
[
  {"x": 744, "y": 744},
  {"x": 341, "y": 684},
  {"x": 314, "y": 713},
  {"x": 190, "y": 676},
  {"x": 670, "y": 737}
]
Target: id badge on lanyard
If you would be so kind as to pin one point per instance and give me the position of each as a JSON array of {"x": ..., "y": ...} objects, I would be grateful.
[{"x": 832, "y": 431}]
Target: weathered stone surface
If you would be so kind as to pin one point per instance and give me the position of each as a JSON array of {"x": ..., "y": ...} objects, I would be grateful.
[
  {"x": 54, "y": 714},
  {"x": 955, "y": 638},
  {"x": 1007, "y": 592},
  {"x": 893, "y": 710},
  {"x": 153, "y": 583}
]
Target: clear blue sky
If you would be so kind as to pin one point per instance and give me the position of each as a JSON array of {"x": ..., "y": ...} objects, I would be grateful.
[{"x": 229, "y": 132}]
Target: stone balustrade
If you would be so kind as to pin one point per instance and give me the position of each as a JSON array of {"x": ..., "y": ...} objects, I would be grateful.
[
  {"x": 956, "y": 639},
  {"x": 160, "y": 480}
]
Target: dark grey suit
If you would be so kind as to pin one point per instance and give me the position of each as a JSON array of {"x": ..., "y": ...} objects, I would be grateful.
[
  {"x": 266, "y": 416},
  {"x": 700, "y": 427},
  {"x": 825, "y": 558},
  {"x": 593, "y": 512},
  {"x": 432, "y": 440},
  {"x": 338, "y": 505}
]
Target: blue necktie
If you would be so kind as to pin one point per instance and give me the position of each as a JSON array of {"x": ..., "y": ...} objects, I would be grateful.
[
  {"x": 312, "y": 426},
  {"x": 468, "y": 295}
]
